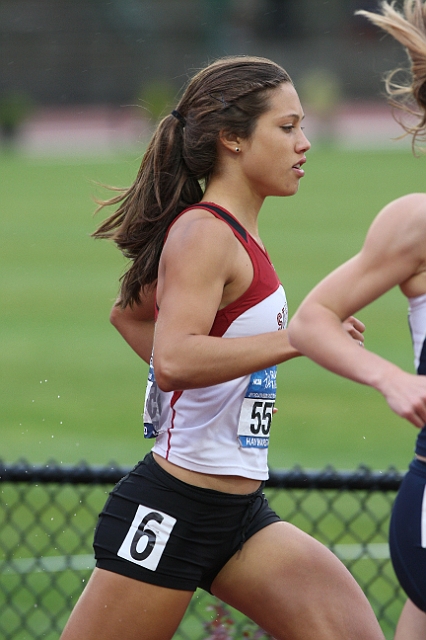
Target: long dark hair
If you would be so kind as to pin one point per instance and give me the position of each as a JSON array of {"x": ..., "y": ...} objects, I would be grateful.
[
  {"x": 409, "y": 28},
  {"x": 227, "y": 96}
]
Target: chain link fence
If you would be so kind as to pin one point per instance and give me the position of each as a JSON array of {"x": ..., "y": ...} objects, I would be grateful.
[{"x": 49, "y": 512}]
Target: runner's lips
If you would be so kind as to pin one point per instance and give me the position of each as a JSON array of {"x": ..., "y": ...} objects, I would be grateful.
[
  {"x": 299, "y": 164},
  {"x": 298, "y": 167}
]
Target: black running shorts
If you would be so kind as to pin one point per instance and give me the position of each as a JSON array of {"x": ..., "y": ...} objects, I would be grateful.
[
  {"x": 407, "y": 535},
  {"x": 158, "y": 529}
]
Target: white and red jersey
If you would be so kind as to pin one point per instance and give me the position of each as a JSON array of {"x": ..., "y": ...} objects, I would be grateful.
[{"x": 224, "y": 429}]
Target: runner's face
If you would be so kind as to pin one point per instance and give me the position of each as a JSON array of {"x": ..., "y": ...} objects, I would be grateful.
[{"x": 273, "y": 156}]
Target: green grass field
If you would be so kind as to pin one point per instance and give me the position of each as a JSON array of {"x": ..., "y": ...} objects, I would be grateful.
[{"x": 72, "y": 390}]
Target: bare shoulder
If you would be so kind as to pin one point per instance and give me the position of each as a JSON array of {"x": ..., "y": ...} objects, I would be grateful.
[
  {"x": 198, "y": 232},
  {"x": 199, "y": 259},
  {"x": 406, "y": 210},
  {"x": 401, "y": 223}
]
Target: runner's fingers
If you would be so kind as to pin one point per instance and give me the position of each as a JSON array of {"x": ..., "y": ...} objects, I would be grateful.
[
  {"x": 357, "y": 324},
  {"x": 421, "y": 413},
  {"x": 355, "y": 328},
  {"x": 354, "y": 333},
  {"x": 416, "y": 414}
]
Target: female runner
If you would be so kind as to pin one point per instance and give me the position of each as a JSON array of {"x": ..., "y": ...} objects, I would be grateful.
[
  {"x": 202, "y": 303},
  {"x": 394, "y": 253}
]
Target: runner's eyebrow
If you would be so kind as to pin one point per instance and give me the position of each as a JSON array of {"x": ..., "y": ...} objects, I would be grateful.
[{"x": 295, "y": 116}]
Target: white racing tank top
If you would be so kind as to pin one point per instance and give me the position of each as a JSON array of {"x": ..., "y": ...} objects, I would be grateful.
[
  {"x": 417, "y": 323},
  {"x": 224, "y": 429}
]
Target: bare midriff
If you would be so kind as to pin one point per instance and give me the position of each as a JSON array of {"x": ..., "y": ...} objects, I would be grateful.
[{"x": 226, "y": 484}]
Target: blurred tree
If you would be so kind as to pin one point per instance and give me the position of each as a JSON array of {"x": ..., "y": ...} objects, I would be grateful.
[
  {"x": 157, "y": 98},
  {"x": 321, "y": 93},
  {"x": 15, "y": 107}
]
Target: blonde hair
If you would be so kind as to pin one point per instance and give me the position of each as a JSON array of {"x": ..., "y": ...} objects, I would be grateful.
[{"x": 409, "y": 28}]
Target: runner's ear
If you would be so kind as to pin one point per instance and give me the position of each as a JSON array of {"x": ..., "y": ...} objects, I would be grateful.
[{"x": 230, "y": 141}]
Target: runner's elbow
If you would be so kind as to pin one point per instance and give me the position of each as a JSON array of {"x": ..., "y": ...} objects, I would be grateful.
[
  {"x": 294, "y": 331},
  {"x": 115, "y": 317},
  {"x": 168, "y": 375}
]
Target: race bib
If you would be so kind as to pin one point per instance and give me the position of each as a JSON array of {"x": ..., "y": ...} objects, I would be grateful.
[
  {"x": 256, "y": 412},
  {"x": 152, "y": 406},
  {"x": 147, "y": 537}
]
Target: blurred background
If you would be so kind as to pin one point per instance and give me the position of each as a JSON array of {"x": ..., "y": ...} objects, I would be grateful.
[
  {"x": 92, "y": 75},
  {"x": 82, "y": 84}
]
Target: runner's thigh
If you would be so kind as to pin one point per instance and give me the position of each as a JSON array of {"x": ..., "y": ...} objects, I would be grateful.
[
  {"x": 114, "y": 607},
  {"x": 295, "y": 588}
]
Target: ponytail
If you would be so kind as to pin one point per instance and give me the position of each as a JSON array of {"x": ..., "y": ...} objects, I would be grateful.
[{"x": 162, "y": 189}]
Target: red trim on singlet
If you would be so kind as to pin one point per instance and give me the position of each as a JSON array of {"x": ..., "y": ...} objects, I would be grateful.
[
  {"x": 264, "y": 283},
  {"x": 265, "y": 280},
  {"x": 175, "y": 398}
]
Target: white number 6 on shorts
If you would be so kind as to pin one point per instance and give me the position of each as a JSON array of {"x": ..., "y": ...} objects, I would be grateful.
[{"x": 147, "y": 537}]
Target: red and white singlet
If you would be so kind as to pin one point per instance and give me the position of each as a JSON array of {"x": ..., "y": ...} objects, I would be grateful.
[{"x": 224, "y": 429}]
